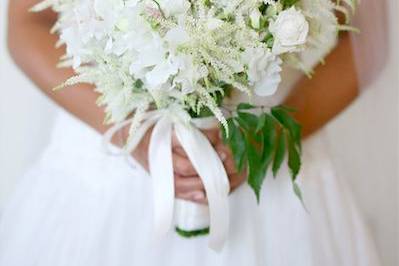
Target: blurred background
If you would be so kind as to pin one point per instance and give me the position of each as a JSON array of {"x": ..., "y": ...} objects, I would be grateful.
[{"x": 363, "y": 140}]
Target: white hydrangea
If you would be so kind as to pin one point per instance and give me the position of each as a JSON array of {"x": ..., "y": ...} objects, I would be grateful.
[{"x": 263, "y": 70}]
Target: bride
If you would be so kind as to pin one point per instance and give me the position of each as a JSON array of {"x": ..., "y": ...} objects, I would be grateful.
[{"x": 80, "y": 206}]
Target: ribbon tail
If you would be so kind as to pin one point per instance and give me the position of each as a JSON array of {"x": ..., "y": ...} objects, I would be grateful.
[
  {"x": 161, "y": 169},
  {"x": 214, "y": 177},
  {"x": 149, "y": 119},
  {"x": 108, "y": 136},
  {"x": 139, "y": 134}
]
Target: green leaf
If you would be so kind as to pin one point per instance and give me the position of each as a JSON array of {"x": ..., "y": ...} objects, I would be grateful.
[
  {"x": 261, "y": 122},
  {"x": 245, "y": 106},
  {"x": 269, "y": 40},
  {"x": 294, "y": 158},
  {"x": 287, "y": 108},
  {"x": 247, "y": 120},
  {"x": 292, "y": 132},
  {"x": 269, "y": 138},
  {"x": 279, "y": 154},
  {"x": 260, "y": 140},
  {"x": 297, "y": 191},
  {"x": 254, "y": 142},
  {"x": 207, "y": 3},
  {"x": 288, "y": 122},
  {"x": 236, "y": 142},
  {"x": 138, "y": 84},
  {"x": 256, "y": 166},
  {"x": 288, "y": 3},
  {"x": 298, "y": 194}
]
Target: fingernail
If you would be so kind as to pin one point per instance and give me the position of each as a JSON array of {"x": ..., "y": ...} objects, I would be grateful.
[
  {"x": 199, "y": 195},
  {"x": 222, "y": 155}
]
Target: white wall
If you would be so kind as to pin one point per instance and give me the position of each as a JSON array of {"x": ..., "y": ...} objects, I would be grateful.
[{"x": 364, "y": 140}]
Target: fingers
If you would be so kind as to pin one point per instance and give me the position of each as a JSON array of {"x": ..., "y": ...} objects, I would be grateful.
[
  {"x": 188, "y": 184},
  {"x": 180, "y": 151},
  {"x": 227, "y": 158},
  {"x": 190, "y": 188},
  {"x": 182, "y": 166},
  {"x": 237, "y": 180},
  {"x": 213, "y": 135},
  {"x": 193, "y": 196}
]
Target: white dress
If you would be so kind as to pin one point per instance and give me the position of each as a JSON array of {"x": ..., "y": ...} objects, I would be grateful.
[{"x": 79, "y": 206}]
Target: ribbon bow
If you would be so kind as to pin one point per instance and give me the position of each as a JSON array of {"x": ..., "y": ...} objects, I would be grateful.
[{"x": 203, "y": 157}]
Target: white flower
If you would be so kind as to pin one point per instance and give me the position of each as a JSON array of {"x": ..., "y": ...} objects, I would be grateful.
[
  {"x": 160, "y": 74},
  {"x": 255, "y": 18},
  {"x": 189, "y": 74},
  {"x": 290, "y": 31},
  {"x": 174, "y": 7},
  {"x": 263, "y": 70},
  {"x": 176, "y": 36},
  {"x": 107, "y": 8}
]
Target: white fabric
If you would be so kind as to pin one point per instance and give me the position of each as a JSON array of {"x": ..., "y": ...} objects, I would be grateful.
[
  {"x": 80, "y": 206},
  {"x": 161, "y": 169},
  {"x": 213, "y": 175},
  {"x": 190, "y": 216},
  {"x": 371, "y": 45}
]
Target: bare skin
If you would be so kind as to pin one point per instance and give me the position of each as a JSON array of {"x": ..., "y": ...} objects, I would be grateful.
[{"x": 317, "y": 100}]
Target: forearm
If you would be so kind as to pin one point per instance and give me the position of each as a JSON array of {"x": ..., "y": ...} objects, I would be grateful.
[
  {"x": 33, "y": 49},
  {"x": 328, "y": 92}
]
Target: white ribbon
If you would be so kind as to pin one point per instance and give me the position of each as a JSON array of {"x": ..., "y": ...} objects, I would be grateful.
[{"x": 204, "y": 159}]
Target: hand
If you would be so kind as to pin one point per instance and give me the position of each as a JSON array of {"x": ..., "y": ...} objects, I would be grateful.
[{"x": 188, "y": 184}]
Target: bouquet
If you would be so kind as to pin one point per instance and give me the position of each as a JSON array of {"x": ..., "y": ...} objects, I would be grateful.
[{"x": 174, "y": 64}]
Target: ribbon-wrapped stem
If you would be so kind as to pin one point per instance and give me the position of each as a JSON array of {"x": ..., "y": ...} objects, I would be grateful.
[{"x": 205, "y": 161}]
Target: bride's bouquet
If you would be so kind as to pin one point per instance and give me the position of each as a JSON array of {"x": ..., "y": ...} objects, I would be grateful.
[{"x": 175, "y": 64}]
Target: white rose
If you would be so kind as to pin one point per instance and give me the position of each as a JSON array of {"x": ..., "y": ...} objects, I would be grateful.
[
  {"x": 290, "y": 31},
  {"x": 263, "y": 70}
]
